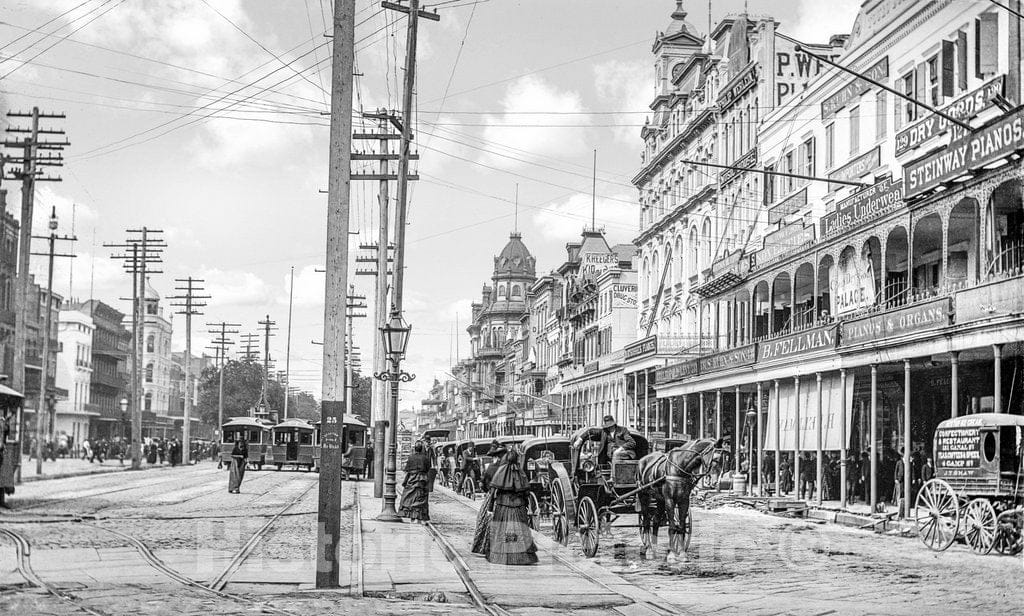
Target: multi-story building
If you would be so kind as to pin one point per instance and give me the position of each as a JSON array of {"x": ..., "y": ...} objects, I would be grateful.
[
  {"x": 700, "y": 188},
  {"x": 110, "y": 348},
  {"x": 497, "y": 321},
  {"x": 156, "y": 367},
  {"x": 35, "y": 325},
  {"x": 178, "y": 393},
  {"x": 886, "y": 295},
  {"x": 74, "y": 373},
  {"x": 8, "y": 276}
]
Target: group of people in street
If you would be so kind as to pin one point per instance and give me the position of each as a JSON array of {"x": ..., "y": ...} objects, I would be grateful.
[
  {"x": 503, "y": 533},
  {"x": 858, "y": 475}
]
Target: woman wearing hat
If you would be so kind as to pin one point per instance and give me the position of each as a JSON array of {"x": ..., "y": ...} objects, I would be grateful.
[
  {"x": 507, "y": 539},
  {"x": 415, "y": 502}
]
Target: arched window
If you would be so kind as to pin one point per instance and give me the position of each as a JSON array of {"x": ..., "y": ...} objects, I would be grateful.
[
  {"x": 151, "y": 343},
  {"x": 149, "y": 372},
  {"x": 517, "y": 291},
  {"x": 501, "y": 291},
  {"x": 148, "y": 405}
]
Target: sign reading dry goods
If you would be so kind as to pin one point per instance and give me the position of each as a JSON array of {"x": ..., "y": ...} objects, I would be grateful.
[
  {"x": 914, "y": 319},
  {"x": 743, "y": 356},
  {"x": 963, "y": 108},
  {"x": 641, "y": 348},
  {"x": 957, "y": 452},
  {"x": 863, "y": 207},
  {"x": 676, "y": 372},
  {"x": 970, "y": 153},
  {"x": 856, "y": 168},
  {"x": 798, "y": 344},
  {"x": 879, "y": 72}
]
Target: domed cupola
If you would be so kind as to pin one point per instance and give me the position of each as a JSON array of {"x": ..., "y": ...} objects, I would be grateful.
[{"x": 515, "y": 260}]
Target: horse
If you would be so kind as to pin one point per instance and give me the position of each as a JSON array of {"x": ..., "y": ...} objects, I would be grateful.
[{"x": 679, "y": 471}]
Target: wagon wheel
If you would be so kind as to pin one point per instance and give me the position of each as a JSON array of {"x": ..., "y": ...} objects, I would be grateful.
[
  {"x": 679, "y": 543},
  {"x": 1010, "y": 532},
  {"x": 937, "y": 514},
  {"x": 980, "y": 526},
  {"x": 533, "y": 510},
  {"x": 469, "y": 487},
  {"x": 587, "y": 525},
  {"x": 563, "y": 503}
]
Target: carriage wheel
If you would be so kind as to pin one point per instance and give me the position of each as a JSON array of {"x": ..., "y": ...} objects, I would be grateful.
[
  {"x": 938, "y": 515},
  {"x": 469, "y": 487},
  {"x": 559, "y": 514},
  {"x": 980, "y": 526},
  {"x": 587, "y": 525},
  {"x": 1010, "y": 532},
  {"x": 679, "y": 543},
  {"x": 533, "y": 510}
]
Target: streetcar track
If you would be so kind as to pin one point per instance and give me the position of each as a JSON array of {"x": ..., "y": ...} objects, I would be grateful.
[
  {"x": 52, "y": 501},
  {"x": 23, "y": 552},
  {"x": 218, "y": 583},
  {"x": 463, "y": 572}
]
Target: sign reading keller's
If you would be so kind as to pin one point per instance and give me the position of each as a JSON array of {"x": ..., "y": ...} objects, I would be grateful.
[
  {"x": 983, "y": 146},
  {"x": 879, "y": 72},
  {"x": 963, "y": 108}
]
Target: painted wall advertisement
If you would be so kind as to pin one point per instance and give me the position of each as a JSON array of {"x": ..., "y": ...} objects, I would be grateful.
[
  {"x": 624, "y": 296},
  {"x": 786, "y": 411},
  {"x": 983, "y": 146},
  {"x": 879, "y": 72},
  {"x": 593, "y": 264},
  {"x": 853, "y": 287}
]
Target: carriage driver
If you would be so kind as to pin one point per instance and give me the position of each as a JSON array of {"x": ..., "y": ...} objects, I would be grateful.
[{"x": 616, "y": 441}]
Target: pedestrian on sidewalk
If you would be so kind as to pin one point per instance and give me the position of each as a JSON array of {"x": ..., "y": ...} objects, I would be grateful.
[
  {"x": 510, "y": 538},
  {"x": 239, "y": 457},
  {"x": 86, "y": 449},
  {"x": 368, "y": 468},
  {"x": 482, "y": 536},
  {"x": 415, "y": 503}
]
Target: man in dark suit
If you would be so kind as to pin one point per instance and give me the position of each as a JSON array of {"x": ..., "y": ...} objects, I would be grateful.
[{"x": 616, "y": 441}]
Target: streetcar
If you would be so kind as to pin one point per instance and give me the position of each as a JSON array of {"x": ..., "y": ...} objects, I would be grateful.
[
  {"x": 293, "y": 444},
  {"x": 353, "y": 435},
  {"x": 257, "y": 437},
  {"x": 10, "y": 431},
  {"x": 977, "y": 493}
]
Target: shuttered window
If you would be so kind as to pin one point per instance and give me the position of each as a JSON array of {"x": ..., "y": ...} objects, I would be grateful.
[
  {"x": 986, "y": 45},
  {"x": 881, "y": 114},
  {"x": 961, "y": 60},
  {"x": 948, "y": 62},
  {"x": 854, "y": 130}
]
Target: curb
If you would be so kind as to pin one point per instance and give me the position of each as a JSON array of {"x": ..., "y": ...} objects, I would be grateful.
[{"x": 99, "y": 471}]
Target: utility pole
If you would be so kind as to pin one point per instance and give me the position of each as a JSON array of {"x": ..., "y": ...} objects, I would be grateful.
[
  {"x": 248, "y": 344},
  {"x": 268, "y": 326},
  {"x": 221, "y": 344},
  {"x": 143, "y": 247},
  {"x": 190, "y": 303},
  {"x": 355, "y": 302},
  {"x": 47, "y": 330},
  {"x": 288, "y": 343},
  {"x": 382, "y": 259},
  {"x": 33, "y": 161},
  {"x": 388, "y": 512},
  {"x": 328, "y": 561}
]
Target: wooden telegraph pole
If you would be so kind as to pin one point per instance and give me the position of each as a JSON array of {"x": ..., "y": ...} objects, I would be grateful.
[
  {"x": 190, "y": 303},
  {"x": 328, "y": 561},
  {"x": 221, "y": 344}
]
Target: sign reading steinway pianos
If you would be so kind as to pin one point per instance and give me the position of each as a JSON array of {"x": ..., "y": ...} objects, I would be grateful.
[{"x": 983, "y": 146}]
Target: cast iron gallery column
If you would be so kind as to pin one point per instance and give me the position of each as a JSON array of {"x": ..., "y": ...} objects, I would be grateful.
[
  {"x": 760, "y": 442},
  {"x": 872, "y": 442},
  {"x": 736, "y": 436},
  {"x": 796, "y": 436},
  {"x": 842, "y": 438},
  {"x": 997, "y": 396},
  {"x": 778, "y": 440},
  {"x": 819, "y": 462},
  {"x": 700, "y": 416},
  {"x": 906, "y": 438},
  {"x": 954, "y": 383}
]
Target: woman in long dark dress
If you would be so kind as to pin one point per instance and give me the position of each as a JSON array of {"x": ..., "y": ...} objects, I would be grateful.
[
  {"x": 239, "y": 457},
  {"x": 511, "y": 541},
  {"x": 482, "y": 536},
  {"x": 415, "y": 503}
]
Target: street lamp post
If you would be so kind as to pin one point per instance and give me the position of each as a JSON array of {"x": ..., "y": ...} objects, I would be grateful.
[
  {"x": 396, "y": 338},
  {"x": 751, "y": 420},
  {"x": 124, "y": 416}
]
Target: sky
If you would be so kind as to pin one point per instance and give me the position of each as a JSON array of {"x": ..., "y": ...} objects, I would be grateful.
[{"x": 208, "y": 119}]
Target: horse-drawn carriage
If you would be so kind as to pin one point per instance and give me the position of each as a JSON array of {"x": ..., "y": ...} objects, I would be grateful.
[
  {"x": 978, "y": 489},
  {"x": 537, "y": 456}
]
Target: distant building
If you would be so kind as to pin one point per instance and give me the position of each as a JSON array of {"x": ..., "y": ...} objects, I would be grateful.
[
  {"x": 178, "y": 393},
  {"x": 8, "y": 275},
  {"x": 156, "y": 367},
  {"x": 110, "y": 347},
  {"x": 74, "y": 373}
]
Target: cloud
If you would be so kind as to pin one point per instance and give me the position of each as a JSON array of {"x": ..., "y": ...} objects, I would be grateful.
[
  {"x": 235, "y": 288},
  {"x": 69, "y": 213},
  {"x": 227, "y": 142},
  {"x": 309, "y": 287},
  {"x": 625, "y": 87},
  {"x": 564, "y": 220},
  {"x": 461, "y": 308},
  {"x": 817, "y": 20},
  {"x": 525, "y": 102}
]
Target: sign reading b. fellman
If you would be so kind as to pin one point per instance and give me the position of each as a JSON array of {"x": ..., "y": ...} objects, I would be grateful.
[{"x": 798, "y": 344}]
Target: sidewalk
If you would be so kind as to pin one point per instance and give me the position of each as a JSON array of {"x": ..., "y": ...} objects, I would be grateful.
[{"x": 72, "y": 467}]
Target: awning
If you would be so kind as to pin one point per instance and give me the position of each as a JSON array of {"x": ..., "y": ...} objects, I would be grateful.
[{"x": 7, "y": 391}]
